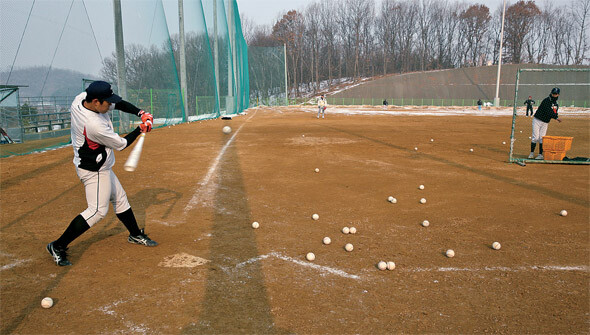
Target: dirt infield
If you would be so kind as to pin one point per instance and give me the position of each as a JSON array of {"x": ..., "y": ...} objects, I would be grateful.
[{"x": 198, "y": 190}]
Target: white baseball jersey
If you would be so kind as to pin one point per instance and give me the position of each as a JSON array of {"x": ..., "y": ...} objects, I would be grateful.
[{"x": 93, "y": 137}]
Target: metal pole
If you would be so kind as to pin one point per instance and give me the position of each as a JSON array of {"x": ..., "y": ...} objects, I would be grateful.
[
  {"x": 230, "y": 61},
  {"x": 121, "y": 69},
  {"x": 497, "y": 97},
  {"x": 119, "y": 46},
  {"x": 182, "y": 52},
  {"x": 286, "y": 83},
  {"x": 216, "y": 52}
]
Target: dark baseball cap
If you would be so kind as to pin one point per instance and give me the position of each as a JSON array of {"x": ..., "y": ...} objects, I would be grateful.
[{"x": 102, "y": 90}]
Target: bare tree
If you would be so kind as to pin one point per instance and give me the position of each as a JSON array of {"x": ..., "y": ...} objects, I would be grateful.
[
  {"x": 519, "y": 18},
  {"x": 581, "y": 16},
  {"x": 474, "y": 26}
]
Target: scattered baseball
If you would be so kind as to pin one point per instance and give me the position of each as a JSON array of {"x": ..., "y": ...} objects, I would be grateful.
[
  {"x": 226, "y": 130},
  {"x": 496, "y": 246},
  {"x": 425, "y": 223},
  {"x": 345, "y": 230},
  {"x": 47, "y": 302},
  {"x": 390, "y": 266},
  {"x": 315, "y": 217},
  {"x": 352, "y": 230},
  {"x": 255, "y": 225},
  {"x": 503, "y": 142},
  {"x": 327, "y": 240},
  {"x": 450, "y": 253},
  {"x": 392, "y": 200},
  {"x": 422, "y": 201},
  {"x": 521, "y": 131},
  {"x": 317, "y": 170},
  {"x": 348, "y": 247},
  {"x": 471, "y": 150},
  {"x": 563, "y": 212},
  {"x": 310, "y": 256},
  {"x": 421, "y": 187},
  {"x": 302, "y": 135},
  {"x": 432, "y": 140},
  {"x": 416, "y": 148},
  {"x": 382, "y": 265}
]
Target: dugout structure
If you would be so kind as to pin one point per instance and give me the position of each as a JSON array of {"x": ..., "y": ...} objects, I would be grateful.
[{"x": 574, "y": 111}]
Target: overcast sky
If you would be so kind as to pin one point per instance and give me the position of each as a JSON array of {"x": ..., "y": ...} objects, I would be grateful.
[
  {"x": 78, "y": 47},
  {"x": 267, "y": 11}
]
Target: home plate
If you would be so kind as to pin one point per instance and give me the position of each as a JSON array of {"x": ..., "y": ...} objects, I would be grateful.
[{"x": 182, "y": 260}]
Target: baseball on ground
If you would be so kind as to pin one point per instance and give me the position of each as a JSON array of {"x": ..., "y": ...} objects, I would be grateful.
[
  {"x": 47, "y": 302},
  {"x": 352, "y": 230},
  {"x": 496, "y": 245},
  {"x": 425, "y": 223},
  {"x": 421, "y": 187},
  {"x": 382, "y": 265},
  {"x": 348, "y": 247},
  {"x": 422, "y": 201},
  {"x": 471, "y": 150},
  {"x": 345, "y": 230},
  {"x": 563, "y": 212},
  {"x": 315, "y": 217},
  {"x": 317, "y": 170},
  {"x": 226, "y": 130},
  {"x": 450, "y": 253},
  {"x": 327, "y": 240},
  {"x": 390, "y": 265},
  {"x": 255, "y": 225},
  {"x": 310, "y": 256}
]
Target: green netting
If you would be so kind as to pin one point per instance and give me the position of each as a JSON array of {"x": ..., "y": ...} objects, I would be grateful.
[
  {"x": 55, "y": 49},
  {"x": 267, "y": 76},
  {"x": 575, "y": 90}
]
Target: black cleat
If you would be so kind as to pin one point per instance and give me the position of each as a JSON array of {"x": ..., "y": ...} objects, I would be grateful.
[
  {"x": 142, "y": 239},
  {"x": 59, "y": 254}
]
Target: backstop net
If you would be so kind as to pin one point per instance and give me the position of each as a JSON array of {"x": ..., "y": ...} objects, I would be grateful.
[
  {"x": 52, "y": 50},
  {"x": 567, "y": 142},
  {"x": 268, "y": 84}
]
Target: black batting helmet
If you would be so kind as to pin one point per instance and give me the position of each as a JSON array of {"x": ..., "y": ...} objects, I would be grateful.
[{"x": 555, "y": 90}]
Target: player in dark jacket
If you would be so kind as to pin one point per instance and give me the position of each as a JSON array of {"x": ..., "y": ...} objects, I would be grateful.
[
  {"x": 547, "y": 110},
  {"x": 529, "y": 105}
]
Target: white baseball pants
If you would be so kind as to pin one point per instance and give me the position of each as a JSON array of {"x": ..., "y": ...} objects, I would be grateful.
[
  {"x": 539, "y": 130},
  {"x": 101, "y": 188}
]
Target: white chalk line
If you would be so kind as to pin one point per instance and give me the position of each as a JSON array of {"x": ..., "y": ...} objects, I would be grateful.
[
  {"x": 205, "y": 184},
  {"x": 321, "y": 268},
  {"x": 15, "y": 264},
  {"x": 579, "y": 268}
]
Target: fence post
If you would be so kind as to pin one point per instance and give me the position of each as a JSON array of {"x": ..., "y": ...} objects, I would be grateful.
[{"x": 151, "y": 101}]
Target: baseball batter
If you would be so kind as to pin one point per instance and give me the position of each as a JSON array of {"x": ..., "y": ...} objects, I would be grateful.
[{"x": 93, "y": 141}]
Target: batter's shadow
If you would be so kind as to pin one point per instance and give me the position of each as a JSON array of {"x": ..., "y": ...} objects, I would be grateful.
[{"x": 139, "y": 202}]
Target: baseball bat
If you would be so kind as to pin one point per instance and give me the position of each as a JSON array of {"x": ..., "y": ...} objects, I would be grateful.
[{"x": 133, "y": 159}]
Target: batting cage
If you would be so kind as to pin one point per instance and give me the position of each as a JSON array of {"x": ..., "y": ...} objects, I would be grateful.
[
  {"x": 564, "y": 133},
  {"x": 179, "y": 73}
]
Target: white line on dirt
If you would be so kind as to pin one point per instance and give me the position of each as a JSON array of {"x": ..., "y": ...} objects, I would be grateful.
[
  {"x": 323, "y": 269},
  {"x": 11, "y": 265},
  {"x": 580, "y": 268},
  {"x": 205, "y": 186}
]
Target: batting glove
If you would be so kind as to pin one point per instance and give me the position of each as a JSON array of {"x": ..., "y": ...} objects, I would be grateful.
[
  {"x": 145, "y": 127},
  {"x": 145, "y": 116}
]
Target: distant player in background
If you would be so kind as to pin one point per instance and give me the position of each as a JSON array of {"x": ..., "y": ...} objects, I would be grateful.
[
  {"x": 385, "y": 103},
  {"x": 547, "y": 110},
  {"x": 479, "y": 103},
  {"x": 93, "y": 141},
  {"x": 529, "y": 105},
  {"x": 322, "y": 104}
]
